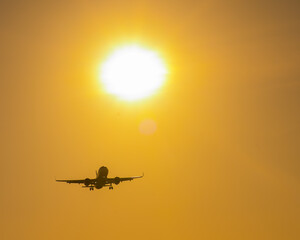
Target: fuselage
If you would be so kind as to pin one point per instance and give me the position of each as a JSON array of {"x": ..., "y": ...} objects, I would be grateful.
[{"x": 101, "y": 177}]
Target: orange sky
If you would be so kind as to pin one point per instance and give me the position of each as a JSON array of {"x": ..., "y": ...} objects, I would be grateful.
[{"x": 224, "y": 160}]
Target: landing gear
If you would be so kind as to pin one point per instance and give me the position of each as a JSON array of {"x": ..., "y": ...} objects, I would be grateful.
[
  {"x": 111, "y": 187},
  {"x": 91, "y": 189}
]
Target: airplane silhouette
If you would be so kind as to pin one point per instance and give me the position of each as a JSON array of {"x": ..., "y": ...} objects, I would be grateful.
[{"x": 101, "y": 180}]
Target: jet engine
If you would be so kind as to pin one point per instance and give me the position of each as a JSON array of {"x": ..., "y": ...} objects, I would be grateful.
[
  {"x": 87, "y": 182},
  {"x": 117, "y": 180}
]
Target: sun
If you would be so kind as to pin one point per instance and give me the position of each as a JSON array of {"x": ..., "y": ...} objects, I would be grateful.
[{"x": 133, "y": 72}]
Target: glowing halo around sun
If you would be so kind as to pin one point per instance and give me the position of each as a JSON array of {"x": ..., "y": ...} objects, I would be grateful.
[{"x": 132, "y": 72}]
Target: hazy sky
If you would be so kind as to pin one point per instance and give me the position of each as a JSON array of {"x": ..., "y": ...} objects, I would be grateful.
[{"x": 224, "y": 160}]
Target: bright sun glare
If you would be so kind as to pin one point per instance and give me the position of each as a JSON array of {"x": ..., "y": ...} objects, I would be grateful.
[{"x": 133, "y": 72}]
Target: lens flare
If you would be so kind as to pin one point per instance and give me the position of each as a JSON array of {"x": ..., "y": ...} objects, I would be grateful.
[{"x": 148, "y": 127}]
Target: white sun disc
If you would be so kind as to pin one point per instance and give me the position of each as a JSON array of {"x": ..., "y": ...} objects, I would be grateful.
[{"x": 132, "y": 73}]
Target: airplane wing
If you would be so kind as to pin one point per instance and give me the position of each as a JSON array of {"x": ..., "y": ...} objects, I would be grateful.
[
  {"x": 80, "y": 181},
  {"x": 117, "y": 179}
]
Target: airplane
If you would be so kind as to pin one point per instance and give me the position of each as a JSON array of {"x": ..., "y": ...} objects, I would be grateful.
[{"x": 101, "y": 180}]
